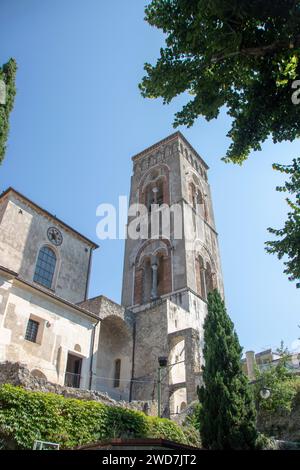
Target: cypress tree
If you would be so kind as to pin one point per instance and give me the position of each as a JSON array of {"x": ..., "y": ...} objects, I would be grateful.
[{"x": 227, "y": 415}]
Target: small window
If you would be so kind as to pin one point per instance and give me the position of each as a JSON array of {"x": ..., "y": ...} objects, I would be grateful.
[
  {"x": 117, "y": 373},
  {"x": 32, "y": 330},
  {"x": 45, "y": 267}
]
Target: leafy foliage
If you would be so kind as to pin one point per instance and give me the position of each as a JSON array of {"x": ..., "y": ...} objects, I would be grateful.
[
  {"x": 7, "y": 75},
  {"x": 26, "y": 416},
  {"x": 237, "y": 53},
  {"x": 193, "y": 419},
  {"x": 242, "y": 55},
  {"x": 227, "y": 416},
  {"x": 282, "y": 384},
  {"x": 289, "y": 236}
]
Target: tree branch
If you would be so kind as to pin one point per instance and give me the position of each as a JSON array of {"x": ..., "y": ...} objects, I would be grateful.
[{"x": 261, "y": 51}]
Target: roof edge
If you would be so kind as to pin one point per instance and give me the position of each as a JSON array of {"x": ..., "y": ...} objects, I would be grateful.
[
  {"x": 56, "y": 219},
  {"x": 41, "y": 290}
]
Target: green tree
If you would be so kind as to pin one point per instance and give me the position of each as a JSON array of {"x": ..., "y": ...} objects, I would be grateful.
[
  {"x": 227, "y": 415},
  {"x": 236, "y": 53},
  {"x": 7, "y": 77},
  {"x": 289, "y": 235},
  {"x": 283, "y": 386}
]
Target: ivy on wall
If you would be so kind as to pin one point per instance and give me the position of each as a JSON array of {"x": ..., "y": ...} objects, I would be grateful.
[
  {"x": 7, "y": 77},
  {"x": 27, "y": 416}
]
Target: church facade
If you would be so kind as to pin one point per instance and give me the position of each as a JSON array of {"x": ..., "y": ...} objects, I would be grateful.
[{"x": 47, "y": 320}]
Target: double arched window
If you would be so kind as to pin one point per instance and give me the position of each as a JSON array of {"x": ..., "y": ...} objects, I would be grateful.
[
  {"x": 197, "y": 200},
  {"x": 45, "y": 267},
  {"x": 154, "y": 277},
  {"x": 205, "y": 278}
]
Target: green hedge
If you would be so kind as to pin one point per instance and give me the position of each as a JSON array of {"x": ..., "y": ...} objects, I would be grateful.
[{"x": 26, "y": 416}]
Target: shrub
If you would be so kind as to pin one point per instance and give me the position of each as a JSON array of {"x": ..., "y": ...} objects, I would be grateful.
[{"x": 27, "y": 416}]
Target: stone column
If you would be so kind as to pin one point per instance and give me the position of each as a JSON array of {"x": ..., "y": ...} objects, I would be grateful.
[
  {"x": 154, "y": 280},
  {"x": 61, "y": 364},
  {"x": 92, "y": 374},
  {"x": 251, "y": 362},
  {"x": 192, "y": 363}
]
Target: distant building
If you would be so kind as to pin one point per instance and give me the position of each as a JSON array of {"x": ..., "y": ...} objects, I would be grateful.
[{"x": 266, "y": 359}]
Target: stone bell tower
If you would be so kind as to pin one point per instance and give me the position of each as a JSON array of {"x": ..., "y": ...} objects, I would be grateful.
[{"x": 171, "y": 263}]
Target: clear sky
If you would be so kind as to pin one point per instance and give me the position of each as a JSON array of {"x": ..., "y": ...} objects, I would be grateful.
[{"x": 78, "y": 119}]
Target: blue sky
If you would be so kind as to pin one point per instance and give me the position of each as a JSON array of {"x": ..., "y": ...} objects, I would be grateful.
[{"x": 78, "y": 119}]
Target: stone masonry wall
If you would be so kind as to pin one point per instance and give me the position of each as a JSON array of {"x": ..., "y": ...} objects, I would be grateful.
[{"x": 18, "y": 375}]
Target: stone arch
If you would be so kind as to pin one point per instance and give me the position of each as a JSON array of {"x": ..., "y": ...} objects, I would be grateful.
[
  {"x": 182, "y": 406},
  {"x": 154, "y": 186},
  {"x": 177, "y": 397},
  {"x": 113, "y": 362}
]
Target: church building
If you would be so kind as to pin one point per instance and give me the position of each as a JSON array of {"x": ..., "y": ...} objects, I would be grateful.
[{"x": 47, "y": 321}]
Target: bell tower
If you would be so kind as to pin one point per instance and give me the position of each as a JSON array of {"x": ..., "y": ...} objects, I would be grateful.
[
  {"x": 171, "y": 263},
  {"x": 185, "y": 257}
]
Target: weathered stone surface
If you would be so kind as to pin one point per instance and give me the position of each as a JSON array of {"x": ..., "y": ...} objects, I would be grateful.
[
  {"x": 172, "y": 173},
  {"x": 18, "y": 375},
  {"x": 282, "y": 425},
  {"x": 24, "y": 228}
]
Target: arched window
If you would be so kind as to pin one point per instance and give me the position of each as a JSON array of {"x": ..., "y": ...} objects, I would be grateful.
[
  {"x": 45, "y": 267},
  {"x": 192, "y": 195},
  {"x": 209, "y": 281},
  {"x": 117, "y": 373},
  {"x": 200, "y": 276},
  {"x": 182, "y": 406},
  {"x": 154, "y": 194},
  {"x": 204, "y": 277}
]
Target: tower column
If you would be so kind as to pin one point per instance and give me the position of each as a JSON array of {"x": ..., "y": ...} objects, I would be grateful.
[{"x": 154, "y": 279}]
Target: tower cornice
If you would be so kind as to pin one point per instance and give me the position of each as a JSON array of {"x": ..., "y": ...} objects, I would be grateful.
[{"x": 166, "y": 140}]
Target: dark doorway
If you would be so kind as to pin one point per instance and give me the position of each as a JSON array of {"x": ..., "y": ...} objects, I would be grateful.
[{"x": 73, "y": 371}]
